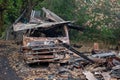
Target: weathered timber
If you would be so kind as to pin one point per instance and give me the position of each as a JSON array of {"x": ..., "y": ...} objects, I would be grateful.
[
  {"x": 21, "y": 26},
  {"x": 10, "y": 28},
  {"x": 106, "y": 75},
  {"x": 89, "y": 75},
  {"x": 52, "y": 16}
]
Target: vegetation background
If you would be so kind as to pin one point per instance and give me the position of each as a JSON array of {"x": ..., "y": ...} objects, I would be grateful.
[{"x": 101, "y": 18}]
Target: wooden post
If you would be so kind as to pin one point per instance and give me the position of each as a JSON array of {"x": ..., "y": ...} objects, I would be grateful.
[{"x": 96, "y": 46}]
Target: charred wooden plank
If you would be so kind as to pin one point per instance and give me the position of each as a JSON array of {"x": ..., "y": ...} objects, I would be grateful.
[
  {"x": 76, "y": 27},
  {"x": 75, "y": 51}
]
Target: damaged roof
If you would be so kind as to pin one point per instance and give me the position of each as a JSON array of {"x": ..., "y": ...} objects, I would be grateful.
[
  {"x": 36, "y": 22},
  {"x": 23, "y": 26}
]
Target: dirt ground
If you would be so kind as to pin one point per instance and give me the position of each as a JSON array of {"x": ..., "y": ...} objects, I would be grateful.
[{"x": 6, "y": 72}]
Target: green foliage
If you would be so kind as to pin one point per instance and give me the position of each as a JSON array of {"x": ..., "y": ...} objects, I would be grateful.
[
  {"x": 99, "y": 16},
  {"x": 63, "y": 8},
  {"x": 11, "y": 10},
  {"x": 107, "y": 35}
]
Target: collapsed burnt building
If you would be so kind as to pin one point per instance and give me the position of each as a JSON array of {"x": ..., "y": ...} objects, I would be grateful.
[
  {"x": 45, "y": 38},
  {"x": 40, "y": 37}
]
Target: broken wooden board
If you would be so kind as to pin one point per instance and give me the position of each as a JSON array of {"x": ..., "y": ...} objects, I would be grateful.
[
  {"x": 106, "y": 76},
  {"x": 52, "y": 16},
  {"x": 89, "y": 75}
]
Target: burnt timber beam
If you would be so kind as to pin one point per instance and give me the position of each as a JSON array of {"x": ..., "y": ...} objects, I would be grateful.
[
  {"x": 76, "y": 27},
  {"x": 76, "y": 52}
]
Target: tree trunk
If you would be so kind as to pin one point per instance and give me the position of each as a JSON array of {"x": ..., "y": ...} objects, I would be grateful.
[
  {"x": 29, "y": 9},
  {"x": 3, "y": 7},
  {"x": 30, "y": 5}
]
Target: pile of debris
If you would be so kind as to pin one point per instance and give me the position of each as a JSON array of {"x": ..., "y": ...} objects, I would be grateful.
[
  {"x": 47, "y": 40},
  {"x": 106, "y": 67}
]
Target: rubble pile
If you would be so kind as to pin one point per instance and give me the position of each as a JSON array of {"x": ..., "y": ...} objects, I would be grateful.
[
  {"x": 108, "y": 68},
  {"x": 78, "y": 70}
]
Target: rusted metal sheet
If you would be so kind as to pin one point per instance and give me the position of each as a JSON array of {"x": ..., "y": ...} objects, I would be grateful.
[
  {"x": 44, "y": 45},
  {"x": 40, "y": 57},
  {"x": 41, "y": 40}
]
